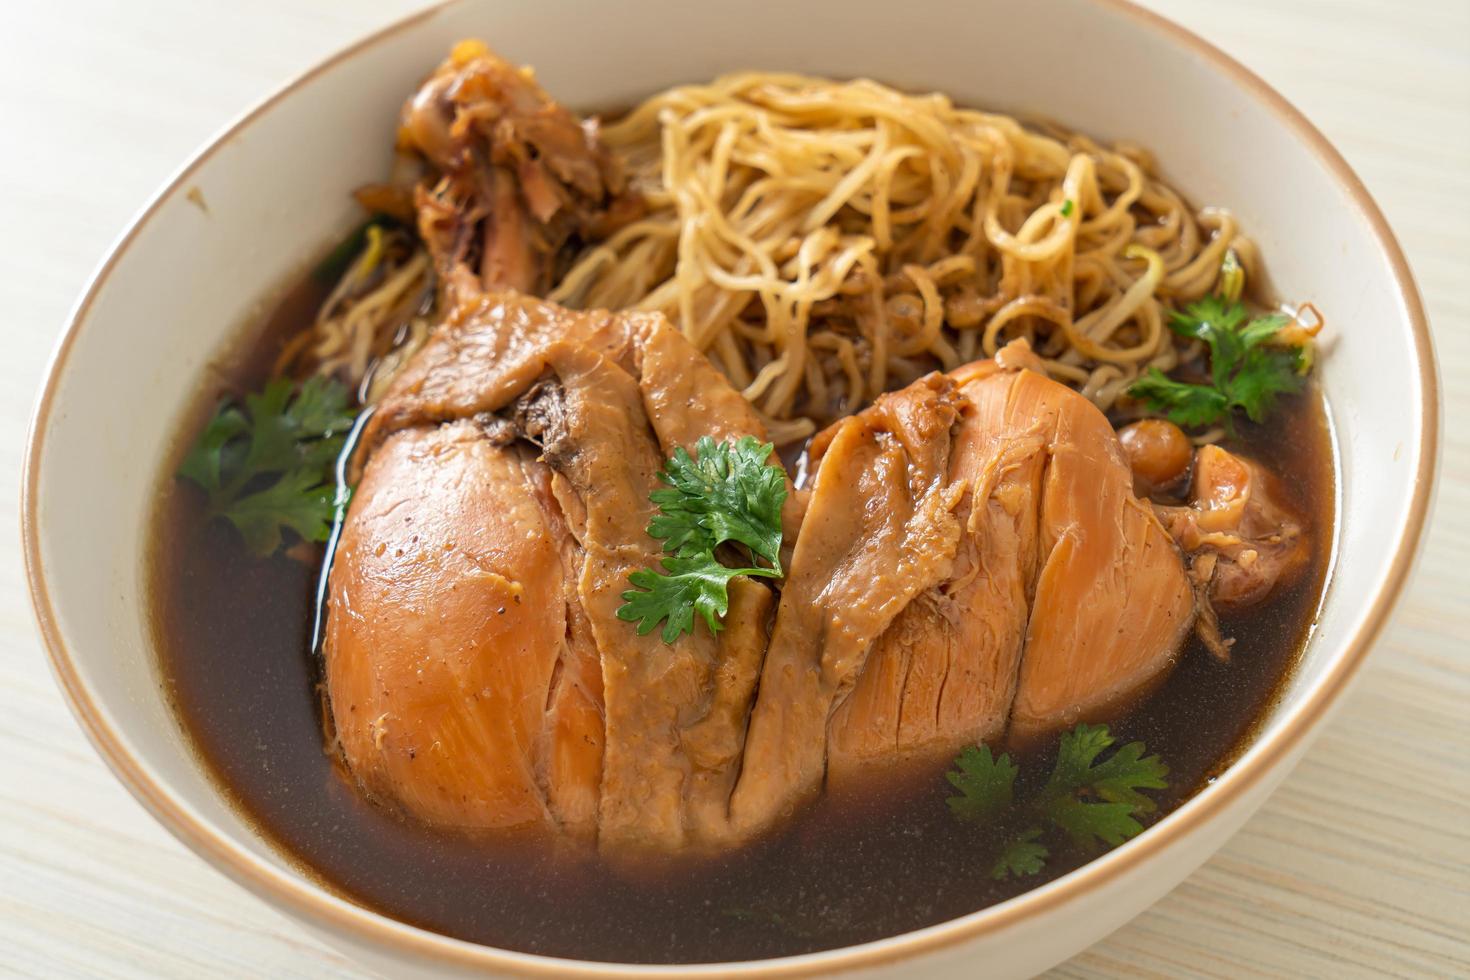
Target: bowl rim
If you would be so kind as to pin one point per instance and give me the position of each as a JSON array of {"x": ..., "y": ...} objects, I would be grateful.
[{"x": 323, "y": 909}]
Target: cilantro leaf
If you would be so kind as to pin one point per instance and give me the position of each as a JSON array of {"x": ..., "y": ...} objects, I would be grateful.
[
  {"x": 283, "y": 427},
  {"x": 1023, "y": 854},
  {"x": 1087, "y": 823},
  {"x": 726, "y": 493},
  {"x": 1087, "y": 799},
  {"x": 267, "y": 466},
  {"x": 688, "y": 584},
  {"x": 986, "y": 784},
  {"x": 1075, "y": 755},
  {"x": 297, "y": 500},
  {"x": 1193, "y": 406},
  {"x": 205, "y": 463},
  {"x": 1262, "y": 329},
  {"x": 1116, "y": 781},
  {"x": 1119, "y": 778},
  {"x": 1210, "y": 315},
  {"x": 1248, "y": 368},
  {"x": 1266, "y": 373}
]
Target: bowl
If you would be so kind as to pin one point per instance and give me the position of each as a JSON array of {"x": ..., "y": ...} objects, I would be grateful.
[{"x": 258, "y": 204}]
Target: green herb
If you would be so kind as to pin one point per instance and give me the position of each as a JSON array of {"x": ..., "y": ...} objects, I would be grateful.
[
  {"x": 267, "y": 465},
  {"x": 697, "y": 583},
  {"x": 726, "y": 493},
  {"x": 1021, "y": 855},
  {"x": 1067, "y": 208},
  {"x": 986, "y": 784},
  {"x": 1089, "y": 801},
  {"x": 1078, "y": 780},
  {"x": 1247, "y": 371}
]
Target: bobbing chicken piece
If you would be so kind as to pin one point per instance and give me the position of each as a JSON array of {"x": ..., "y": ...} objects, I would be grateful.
[
  {"x": 515, "y": 175},
  {"x": 1061, "y": 598},
  {"x": 1111, "y": 603},
  {"x": 879, "y": 528},
  {"x": 460, "y": 673},
  {"x": 944, "y": 673},
  {"x": 657, "y": 791},
  {"x": 415, "y": 623},
  {"x": 1242, "y": 540}
]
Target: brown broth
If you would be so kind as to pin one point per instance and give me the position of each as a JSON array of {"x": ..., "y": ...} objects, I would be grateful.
[{"x": 234, "y": 635}]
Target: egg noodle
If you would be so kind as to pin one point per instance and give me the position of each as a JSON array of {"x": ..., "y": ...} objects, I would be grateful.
[{"x": 823, "y": 242}]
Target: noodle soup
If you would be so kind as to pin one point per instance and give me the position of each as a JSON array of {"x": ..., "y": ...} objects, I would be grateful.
[{"x": 486, "y": 596}]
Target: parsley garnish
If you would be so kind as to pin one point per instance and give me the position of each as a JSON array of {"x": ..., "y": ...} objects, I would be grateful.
[
  {"x": 1021, "y": 855},
  {"x": 1087, "y": 801},
  {"x": 267, "y": 465},
  {"x": 726, "y": 493},
  {"x": 1067, "y": 208},
  {"x": 1079, "y": 778},
  {"x": 1247, "y": 371},
  {"x": 698, "y": 583},
  {"x": 986, "y": 784}
]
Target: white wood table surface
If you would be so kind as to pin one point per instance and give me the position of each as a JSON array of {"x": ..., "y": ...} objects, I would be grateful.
[{"x": 1358, "y": 866}]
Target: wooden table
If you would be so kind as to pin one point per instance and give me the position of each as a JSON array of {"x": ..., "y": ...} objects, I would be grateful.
[{"x": 1359, "y": 865}]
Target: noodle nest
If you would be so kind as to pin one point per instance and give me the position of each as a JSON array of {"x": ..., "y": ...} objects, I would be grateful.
[{"x": 823, "y": 242}]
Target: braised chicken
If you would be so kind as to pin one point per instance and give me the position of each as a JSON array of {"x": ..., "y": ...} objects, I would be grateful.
[
  {"x": 1060, "y": 599},
  {"x": 1244, "y": 540},
  {"x": 879, "y": 529},
  {"x": 450, "y": 604},
  {"x": 478, "y": 575},
  {"x": 971, "y": 565},
  {"x": 1241, "y": 539}
]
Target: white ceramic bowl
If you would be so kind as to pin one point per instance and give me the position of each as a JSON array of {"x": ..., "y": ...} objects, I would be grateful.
[{"x": 275, "y": 188}]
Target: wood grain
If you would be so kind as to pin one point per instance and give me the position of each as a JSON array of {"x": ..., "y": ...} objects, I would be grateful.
[{"x": 1356, "y": 867}]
